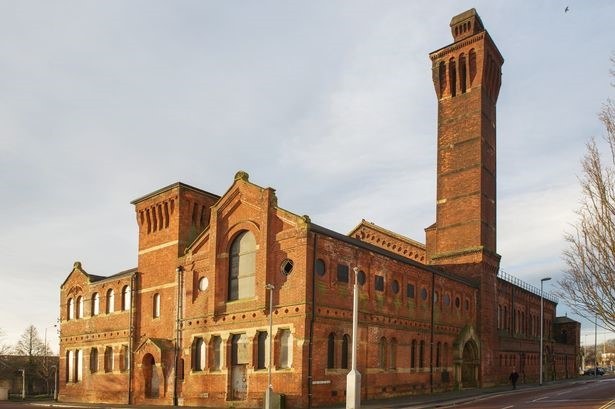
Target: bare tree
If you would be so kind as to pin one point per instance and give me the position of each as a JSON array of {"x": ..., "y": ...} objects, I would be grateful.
[
  {"x": 4, "y": 348},
  {"x": 30, "y": 343},
  {"x": 589, "y": 281}
]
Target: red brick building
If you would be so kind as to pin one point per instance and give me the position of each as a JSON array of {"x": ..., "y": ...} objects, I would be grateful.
[{"x": 190, "y": 324}]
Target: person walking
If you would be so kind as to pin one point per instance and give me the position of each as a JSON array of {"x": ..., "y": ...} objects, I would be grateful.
[{"x": 514, "y": 376}]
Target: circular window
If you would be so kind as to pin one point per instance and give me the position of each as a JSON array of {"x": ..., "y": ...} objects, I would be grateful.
[
  {"x": 395, "y": 286},
  {"x": 287, "y": 267},
  {"x": 203, "y": 283},
  {"x": 361, "y": 277},
  {"x": 423, "y": 294},
  {"x": 457, "y": 302},
  {"x": 319, "y": 267},
  {"x": 447, "y": 300}
]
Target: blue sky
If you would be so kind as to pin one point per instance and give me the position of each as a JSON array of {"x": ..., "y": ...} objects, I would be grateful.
[{"x": 329, "y": 102}]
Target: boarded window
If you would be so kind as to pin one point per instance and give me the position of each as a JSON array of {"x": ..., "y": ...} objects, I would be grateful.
[
  {"x": 379, "y": 283},
  {"x": 94, "y": 360},
  {"x": 342, "y": 273}
]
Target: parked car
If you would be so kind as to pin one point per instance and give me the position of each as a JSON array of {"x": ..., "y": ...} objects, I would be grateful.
[{"x": 590, "y": 371}]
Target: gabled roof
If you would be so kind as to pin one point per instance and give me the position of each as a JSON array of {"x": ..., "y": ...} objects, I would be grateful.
[
  {"x": 373, "y": 226},
  {"x": 77, "y": 269},
  {"x": 379, "y": 250}
]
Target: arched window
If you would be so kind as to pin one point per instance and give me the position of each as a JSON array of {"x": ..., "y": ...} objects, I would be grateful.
[
  {"x": 216, "y": 343},
  {"x": 345, "y": 351},
  {"x": 198, "y": 354},
  {"x": 95, "y": 304},
  {"x": 262, "y": 355},
  {"x": 452, "y": 76},
  {"x": 413, "y": 354},
  {"x": 94, "y": 360},
  {"x": 382, "y": 353},
  {"x": 438, "y": 355},
  {"x": 109, "y": 359},
  {"x": 393, "y": 354},
  {"x": 110, "y": 301},
  {"x": 79, "y": 305},
  {"x": 422, "y": 354},
  {"x": 331, "y": 351},
  {"x": 70, "y": 309},
  {"x": 156, "y": 305},
  {"x": 286, "y": 351},
  {"x": 242, "y": 266},
  {"x": 125, "y": 298},
  {"x": 78, "y": 365},
  {"x": 70, "y": 366},
  {"x": 124, "y": 358}
]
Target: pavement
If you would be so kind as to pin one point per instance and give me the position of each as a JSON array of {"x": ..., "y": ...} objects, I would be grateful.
[{"x": 436, "y": 400}]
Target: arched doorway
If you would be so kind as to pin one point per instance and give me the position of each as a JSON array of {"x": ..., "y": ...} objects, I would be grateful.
[
  {"x": 150, "y": 377},
  {"x": 469, "y": 365}
]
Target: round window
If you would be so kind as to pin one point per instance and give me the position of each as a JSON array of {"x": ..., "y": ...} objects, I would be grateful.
[
  {"x": 395, "y": 286},
  {"x": 319, "y": 268},
  {"x": 447, "y": 299},
  {"x": 203, "y": 283},
  {"x": 287, "y": 267},
  {"x": 423, "y": 294},
  {"x": 361, "y": 277}
]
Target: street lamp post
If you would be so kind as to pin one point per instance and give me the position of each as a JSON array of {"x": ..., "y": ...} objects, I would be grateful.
[
  {"x": 23, "y": 383},
  {"x": 55, "y": 382},
  {"x": 269, "y": 287},
  {"x": 353, "y": 379},
  {"x": 541, "y": 323}
]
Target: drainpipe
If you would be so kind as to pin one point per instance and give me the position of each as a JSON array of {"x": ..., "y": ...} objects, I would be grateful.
[
  {"x": 178, "y": 340},
  {"x": 433, "y": 302},
  {"x": 131, "y": 329},
  {"x": 312, "y": 319}
]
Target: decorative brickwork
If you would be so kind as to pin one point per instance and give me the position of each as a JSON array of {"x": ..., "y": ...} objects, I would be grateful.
[{"x": 191, "y": 324}]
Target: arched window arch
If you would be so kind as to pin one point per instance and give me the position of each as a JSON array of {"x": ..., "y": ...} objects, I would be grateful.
[
  {"x": 110, "y": 301},
  {"x": 331, "y": 351},
  {"x": 125, "y": 298},
  {"x": 95, "y": 310},
  {"x": 242, "y": 266},
  {"x": 70, "y": 309},
  {"x": 156, "y": 305}
]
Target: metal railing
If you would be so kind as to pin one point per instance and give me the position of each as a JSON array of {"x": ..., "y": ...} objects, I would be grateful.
[{"x": 528, "y": 287}]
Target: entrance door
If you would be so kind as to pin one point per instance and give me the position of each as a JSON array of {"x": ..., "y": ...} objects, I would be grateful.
[
  {"x": 469, "y": 366},
  {"x": 239, "y": 382},
  {"x": 150, "y": 377},
  {"x": 239, "y": 361}
]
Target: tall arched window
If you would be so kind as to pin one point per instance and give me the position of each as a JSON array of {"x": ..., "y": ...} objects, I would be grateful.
[
  {"x": 422, "y": 354},
  {"x": 95, "y": 304},
  {"x": 94, "y": 360},
  {"x": 382, "y": 353},
  {"x": 125, "y": 298},
  {"x": 242, "y": 266},
  {"x": 79, "y": 305},
  {"x": 110, "y": 301},
  {"x": 413, "y": 354},
  {"x": 70, "y": 366},
  {"x": 156, "y": 305},
  {"x": 198, "y": 354},
  {"x": 393, "y": 354},
  {"x": 345, "y": 351},
  {"x": 331, "y": 351},
  {"x": 70, "y": 309},
  {"x": 108, "y": 359}
]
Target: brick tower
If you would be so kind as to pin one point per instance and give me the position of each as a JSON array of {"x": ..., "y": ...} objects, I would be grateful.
[{"x": 467, "y": 77}]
